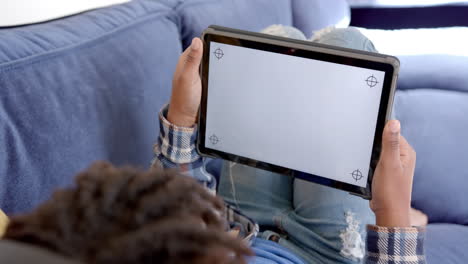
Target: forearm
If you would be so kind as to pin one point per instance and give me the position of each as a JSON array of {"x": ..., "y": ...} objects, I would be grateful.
[{"x": 395, "y": 245}]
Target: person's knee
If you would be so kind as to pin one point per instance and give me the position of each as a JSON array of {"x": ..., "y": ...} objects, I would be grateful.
[
  {"x": 350, "y": 38},
  {"x": 284, "y": 31}
]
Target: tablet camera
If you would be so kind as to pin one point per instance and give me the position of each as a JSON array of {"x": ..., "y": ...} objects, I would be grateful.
[
  {"x": 214, "y": 139},
  {"x": 357, "y": 175},
  {"x": 371, "y": 81},
  {"x": 218, "y": 53}
]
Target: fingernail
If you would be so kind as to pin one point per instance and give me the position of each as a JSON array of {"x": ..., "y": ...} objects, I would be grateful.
[
  {"x": 395, "y": 126},
  {"x": 195, "y": 45}
]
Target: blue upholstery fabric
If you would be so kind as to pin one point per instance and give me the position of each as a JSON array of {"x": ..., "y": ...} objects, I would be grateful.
[
  {"x": 446, "y": 244},
  {"x": 310, "y": 16},
  {"x": 253, "y": 15},
  {"x": 80, "y": 89},
  {"x": 436, "y": 124},
  {"x": 433, "y": 109},
  {"x": 441, "y": 72}
]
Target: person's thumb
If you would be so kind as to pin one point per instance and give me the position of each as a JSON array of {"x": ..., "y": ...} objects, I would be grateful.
[
  {"x": 391, "y": 142},
  {"x": 192, "y": 56}
]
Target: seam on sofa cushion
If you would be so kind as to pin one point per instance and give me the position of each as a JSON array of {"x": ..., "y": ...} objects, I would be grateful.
[{"x": 404, "y": 90}]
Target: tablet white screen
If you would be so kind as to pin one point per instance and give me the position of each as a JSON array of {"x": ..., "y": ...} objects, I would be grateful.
[{"x": 303, "y": 114}]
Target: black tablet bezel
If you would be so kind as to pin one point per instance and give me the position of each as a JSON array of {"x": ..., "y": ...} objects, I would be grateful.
[{"x": 334, "y": 58}]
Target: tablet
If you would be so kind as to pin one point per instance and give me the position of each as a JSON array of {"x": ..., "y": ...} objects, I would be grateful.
[{"x": 313, "y": 111}]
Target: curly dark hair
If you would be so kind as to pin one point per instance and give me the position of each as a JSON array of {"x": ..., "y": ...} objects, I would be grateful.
[{"x": 131, "y": 216}]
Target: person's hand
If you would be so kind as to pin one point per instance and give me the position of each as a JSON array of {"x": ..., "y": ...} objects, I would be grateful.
[
  {"x": 186, "y": 87},
  {"x": 393, "y": 179}
]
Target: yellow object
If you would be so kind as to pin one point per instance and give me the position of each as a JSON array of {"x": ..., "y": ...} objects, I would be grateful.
[{"x": 3, "y": 223}]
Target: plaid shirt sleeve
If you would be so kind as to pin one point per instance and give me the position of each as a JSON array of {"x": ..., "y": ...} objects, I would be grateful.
[
  {"x": 395, "y": 245},
  {"x": 176, "y": 148}
]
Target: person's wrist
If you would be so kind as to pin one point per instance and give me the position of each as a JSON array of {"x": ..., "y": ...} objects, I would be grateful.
[
  {"x": 393, "y": 218},
  {"x": 180, "y": 119}
]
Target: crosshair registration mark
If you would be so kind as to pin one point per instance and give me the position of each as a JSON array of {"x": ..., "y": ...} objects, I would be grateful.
[
  {"x": 357, "y": 175},
  {"x": 371, "y": 81},
  {"x": 214, "y": 139},
  {"x": 218, "y": 53}
]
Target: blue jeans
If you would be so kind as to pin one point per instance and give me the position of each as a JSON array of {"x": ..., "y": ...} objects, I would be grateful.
[{"x": 318, "y": 223}]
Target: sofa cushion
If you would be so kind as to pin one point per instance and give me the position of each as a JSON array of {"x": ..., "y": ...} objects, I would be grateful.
[
  {"x": 435, "y": 122},
  {"x": 312, "y": 15},
  {"x": 253, "y": 15},
  {"x": 80, "y": 89},
  {"x": 437, "y": 71},
  {"x": 432, "y": 105},
  {"x": 447, "y": 244}
]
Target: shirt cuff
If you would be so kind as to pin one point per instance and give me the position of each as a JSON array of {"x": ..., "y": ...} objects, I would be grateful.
[
  {"x": 177, "y": 144},
  {"x": 395, "y": 245}
]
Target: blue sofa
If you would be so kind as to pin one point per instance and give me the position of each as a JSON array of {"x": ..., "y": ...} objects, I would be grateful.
[{"x": 88, "y": 87}]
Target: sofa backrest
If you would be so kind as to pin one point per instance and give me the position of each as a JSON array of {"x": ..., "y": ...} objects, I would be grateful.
[{"x": 79, "y": 89}]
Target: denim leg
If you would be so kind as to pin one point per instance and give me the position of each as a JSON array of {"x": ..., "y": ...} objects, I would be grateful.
[
  {"x": 261, "y": 195},
  {"x": 328, "y": 224},
  {"x": 350, "y": 38}
]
